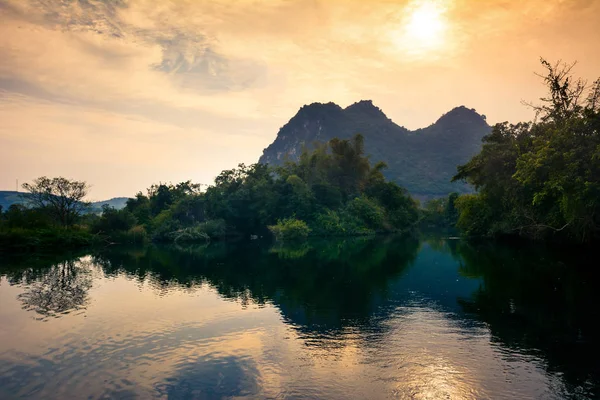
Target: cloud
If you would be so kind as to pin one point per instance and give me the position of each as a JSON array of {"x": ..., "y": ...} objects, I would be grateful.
[{"x": 218, "y": 74}]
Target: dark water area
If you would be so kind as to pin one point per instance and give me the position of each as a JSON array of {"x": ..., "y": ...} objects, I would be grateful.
[{"x": 339, "y": 319}]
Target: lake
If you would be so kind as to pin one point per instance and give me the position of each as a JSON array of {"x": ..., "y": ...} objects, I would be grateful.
[{"x": 378, "y": 318}]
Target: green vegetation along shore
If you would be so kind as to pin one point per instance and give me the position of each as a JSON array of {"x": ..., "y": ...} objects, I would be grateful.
[
  {"x": 538, "y": 180},
  {"x": 331, "y": 191}
]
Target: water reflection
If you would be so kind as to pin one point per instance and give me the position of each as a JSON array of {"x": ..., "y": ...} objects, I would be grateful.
[
  {"x": 319, "y": 286},
  {"x": 540, "y": 302},
  {"x": 53, "y": 290},
  {"x": 212, "y": 378},
  {"x": 337, "y": 319}
]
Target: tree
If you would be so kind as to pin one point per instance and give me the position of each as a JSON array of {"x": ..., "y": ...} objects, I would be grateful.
[
  {"x": 113, "y": 220},
  {"x": 540, "y": 179},
  {"x": 61, "y": 197}
]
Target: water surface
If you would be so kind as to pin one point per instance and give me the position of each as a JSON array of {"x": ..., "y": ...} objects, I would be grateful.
[{"x": 339, "y": 319}]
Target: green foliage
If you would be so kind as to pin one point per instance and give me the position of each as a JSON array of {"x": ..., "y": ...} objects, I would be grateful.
[
  {"x": 290, "y": 229},
  {"x": 244, "y": 197},
  {"x": 188, "y": 235},
  {"x": 163, "y": 226},
  {"x": 540, "y": 180},
  {"x": 329, "y": 223},
  {"x": 441, "y": 212},
  {"x": 189, "y": 210},
  {"x": 371, "y": 214},
  {"x": 62, "y": 198},
  {"x": 476, "y": 217},
  {"x": 332, "y": 190},
  {"x": 215, "y": 228},
  {"x": 21, "y": 239},
  {"x": 19, "y": 216},
  {"x": 113, "y": 220},
  {"x": 140, "y": 208},
  {"x": 401, "y": 209}
]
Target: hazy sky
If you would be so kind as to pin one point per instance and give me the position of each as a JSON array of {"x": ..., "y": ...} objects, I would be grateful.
[{"x": 125, "y": 93}]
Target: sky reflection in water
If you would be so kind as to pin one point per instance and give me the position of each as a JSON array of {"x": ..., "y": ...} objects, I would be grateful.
[{"x": 332, "y": 319}]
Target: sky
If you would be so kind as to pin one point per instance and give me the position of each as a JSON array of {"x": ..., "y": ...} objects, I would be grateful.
[{"x": 126, "y": 93}]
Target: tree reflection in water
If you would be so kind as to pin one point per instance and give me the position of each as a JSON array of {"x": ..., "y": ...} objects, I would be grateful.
[
  {"x": 54, "y": 290},
  {"x": 539, "y": 301},
  {"x": 533, "y": 300}
]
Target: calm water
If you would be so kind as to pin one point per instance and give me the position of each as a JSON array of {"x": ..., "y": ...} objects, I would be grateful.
[{"x": 385, "y": 318}]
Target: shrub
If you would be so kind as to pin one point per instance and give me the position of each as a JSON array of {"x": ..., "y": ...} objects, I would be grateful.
[
  {"x": 474, "y": 215},
  {"x": 173, "y": 231},
  {"x": 189, "y": 235},
  {"x": 214, "y": 228},
  {"x": 136, "y": 235},
  {"x": 19, "y": 216},
  {"x": 162, "y": 232},
  {"x": 368, "y": 211},
  {"x": 19, "y": 239},
  {"x": 329, "y": 223},
  {"x": 113, "y": 220},
  {"x": 290, "y": 229}
]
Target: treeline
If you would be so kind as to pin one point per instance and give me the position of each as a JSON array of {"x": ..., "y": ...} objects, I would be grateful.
[
  {"x": 536, "y": 180},
  {"x": 331, "y": 191},
  {"x": 540, "y": 180}
]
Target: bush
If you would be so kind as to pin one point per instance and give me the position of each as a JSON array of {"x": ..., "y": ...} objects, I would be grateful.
[
  {"x": 189, "y": 235},
  {"x": 113, "y": 220},
  {"x": 290, "y": 229},
  {"x": 173, "y": 231},
  {"x": 474, "y": 215},
  {"x": 136, "y": 235},
  {"x": 215, "y": 228},
  {"x": 368, "y": 211},
  {"x": 329, "y": 223},
  {"x": 162, "y": 232},
  {"x": 19, "y": 239},
  {"x": 19, "y": 216}
]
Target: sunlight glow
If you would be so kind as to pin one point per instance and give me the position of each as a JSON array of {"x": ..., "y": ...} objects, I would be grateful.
[
  {"x": 424, "y": 26},
  {"x": 426, "y": 22}
]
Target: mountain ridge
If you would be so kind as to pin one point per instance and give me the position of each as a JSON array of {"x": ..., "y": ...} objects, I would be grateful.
[{"x": 422, "y": 160}]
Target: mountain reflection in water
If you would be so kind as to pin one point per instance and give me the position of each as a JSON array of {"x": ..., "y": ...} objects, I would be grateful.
[{"x": 354, "y": 318}]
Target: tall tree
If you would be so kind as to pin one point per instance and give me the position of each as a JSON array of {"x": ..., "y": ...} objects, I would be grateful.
[
  {"x": 62, "y": 197},
  {"x": 542, "y": 178}
]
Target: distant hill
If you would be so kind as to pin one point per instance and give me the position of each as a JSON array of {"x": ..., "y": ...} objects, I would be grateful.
[
  {"x": 7, "y": 198},
  {"x": 115, "y": 202},
  {"x": 423, "y": 161}
]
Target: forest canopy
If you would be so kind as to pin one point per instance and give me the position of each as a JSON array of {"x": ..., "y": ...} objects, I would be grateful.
[
  {"x": 332, "y": 190},
  {"x": 536, "y": 180},
  {"x": 541, "y": 179}
]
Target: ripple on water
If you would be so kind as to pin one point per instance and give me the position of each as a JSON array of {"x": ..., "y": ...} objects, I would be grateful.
[{"x": 257, "y": 327}]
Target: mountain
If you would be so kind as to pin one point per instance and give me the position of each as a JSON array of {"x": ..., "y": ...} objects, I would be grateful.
[
  {"x": 423, "y": 161},
  {"x": 7, "y": 198},
  {"x": 116, "y": 202}
]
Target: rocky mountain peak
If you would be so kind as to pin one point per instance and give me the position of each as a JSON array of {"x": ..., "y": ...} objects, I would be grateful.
[{"x": 423, "y": 161}]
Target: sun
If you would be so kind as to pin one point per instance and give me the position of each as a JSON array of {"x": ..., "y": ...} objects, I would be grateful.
[
  {"x": 424, "y": 24},
  {"x": 425, "y": 21}
]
